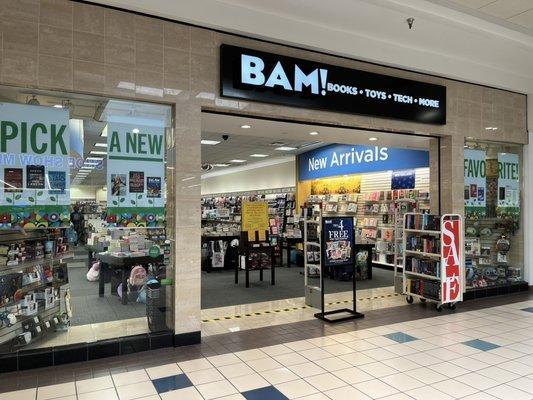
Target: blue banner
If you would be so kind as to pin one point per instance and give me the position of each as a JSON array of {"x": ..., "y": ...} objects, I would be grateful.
[
  {"x": 338, "y": 240},
  {"x": 340, "y": 159}
]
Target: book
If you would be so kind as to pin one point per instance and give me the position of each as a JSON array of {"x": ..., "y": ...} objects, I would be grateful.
[
  {"x": 136, "y": 182},
  {"x": 118, "y": 184},
  {"x": 35, "y": 176},
  {"x": 13, "y": 180},
  {"x": 153, "y": 186},
  {"x": 57, "y": 181}
]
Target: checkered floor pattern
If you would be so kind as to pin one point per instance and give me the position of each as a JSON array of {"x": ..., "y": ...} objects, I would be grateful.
[{"x": 475, "y": 355}]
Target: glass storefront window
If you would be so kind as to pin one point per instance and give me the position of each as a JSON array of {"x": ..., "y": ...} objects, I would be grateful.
[
  {"x": 494, "y": 239},
  {"x": 84, "y": 250}
]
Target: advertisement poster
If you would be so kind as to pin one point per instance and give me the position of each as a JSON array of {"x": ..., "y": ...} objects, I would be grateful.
[
  {"x": 340, "y": 185},
  {"x": 255, "y": 218},
  {"x": 451, "y": 259},
  {"x": 508, "y": 184},
  {"x": 134, "y": 151},
  {"x": 34, "y": 160},
  {"x": 338, "y": 234},
  {"x": 475, "y": 192},
  {"x": 403, "y": 179}
]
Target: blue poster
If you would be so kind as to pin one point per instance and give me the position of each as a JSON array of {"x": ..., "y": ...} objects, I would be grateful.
[
  {"x": 403, "y": 179},
  {"x": 338, "y": 234},
  {"x": 340, "y": 159}
]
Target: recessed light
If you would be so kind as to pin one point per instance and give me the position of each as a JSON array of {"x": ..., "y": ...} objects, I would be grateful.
[
  {"x": 259, "y": 155},
  {"x": 104, "y": 132},
  {"x": 314, "y": 133},
  {"x": 100, "y": 145},
  {"x": 94, "y": 158},
  {"x": 210, "y": 142},
  {"x": 220, "y": 165},
  {"x": 246, "y": 126},
  {"x": 373, "y": 139},
  {"x": 491, "y": 128},
  {"x": 285, "y": 148},
  {"x": 237, "y": 161},
  {"x": 98, "y": 152},
  {"x": 135, "y": 130},
  {"x": 58, "y": 106}
]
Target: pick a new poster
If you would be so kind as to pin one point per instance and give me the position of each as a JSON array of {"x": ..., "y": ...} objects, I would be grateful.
[
  {"x": 135, "y": 174},
  {"x": 338, "y": 237},
  {"x": 508, "y": 184},
  {"x": 475, "y": 190}
]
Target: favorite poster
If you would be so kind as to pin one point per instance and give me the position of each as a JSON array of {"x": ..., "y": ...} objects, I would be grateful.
[
  {"x": 475, "y": 186},
  {"x": 135, "y": 172},
  {"x": 508, "y": 184},
  {"x": 34, "y": 166}
]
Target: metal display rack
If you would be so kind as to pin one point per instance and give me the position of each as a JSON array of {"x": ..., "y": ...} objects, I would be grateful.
[{"x": 439, "y": 273}]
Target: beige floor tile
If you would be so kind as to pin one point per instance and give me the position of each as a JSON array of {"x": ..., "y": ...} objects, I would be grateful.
[
  {"x": 53, "y": 391},
  {"x": 162, "y": 371},
  {"x": 94, "y": 384},
  {"x": 216, "y": 389},
  {"x": 128, "y": 378},
  {"x": 189, "y": 393},
  {"x": 136, "y": 391},
  {"x": 107, "y": 394}
]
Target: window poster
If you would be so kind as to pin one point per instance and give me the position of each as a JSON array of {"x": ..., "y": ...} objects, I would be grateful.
[
  {"x": 338, "y": 239},
  {"x": 475, "y": 176},
  {"x": 255, "y": 219},
  {"x": 403, "y": 179},
  {"x": 135, "y": 172},
  {"x": 508, "y": 184},
  {"x": 34, "y": 166}
]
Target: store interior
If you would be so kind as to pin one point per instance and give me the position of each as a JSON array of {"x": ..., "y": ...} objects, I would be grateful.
[{"x": 251, "y": 159}]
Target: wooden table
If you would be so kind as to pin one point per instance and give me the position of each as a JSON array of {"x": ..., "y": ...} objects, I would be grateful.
[{"x": 124, "y": 264}]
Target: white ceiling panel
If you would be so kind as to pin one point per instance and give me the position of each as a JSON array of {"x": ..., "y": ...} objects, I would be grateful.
[
  {"x": 525, "y": 19},
  {"x": 507, "y": 8}
]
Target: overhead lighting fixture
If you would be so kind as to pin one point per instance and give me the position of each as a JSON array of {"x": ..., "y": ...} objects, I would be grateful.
[
  {"x": 135, "y": 130},
  {"x": 246, "y": 126},
  {"x": 491, "y": 128},
  {"x": 314, "y": 133},
  {"x": 100, "y": 145},
  {"x": 210, "y": 142},
  {"x": 58, "y": 106},
  {"x": 220, "y": 165},
  {"x": 259, "y": 155},
  {"x": 285, "y": 148},
  {"x": 33, "y": 101},
  {"x": 98, "y": 152},
  {"x": 373, "y": 139},
  {"x": 104, "y": 132},
  {"x": 237, "y": 161},
  {"x": 94, "y": 158}
]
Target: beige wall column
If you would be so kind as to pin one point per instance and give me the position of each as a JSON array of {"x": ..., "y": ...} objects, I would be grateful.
[
  {"x": 452, "y": 174},
  {"x": 434, "y": 183}
]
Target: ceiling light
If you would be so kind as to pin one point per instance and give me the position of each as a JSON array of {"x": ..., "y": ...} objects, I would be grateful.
[
  {"x": 246, "y": 126},
  {"x": 314, "y": 133},
  {"x": 58, "y": 106},
  {"x": 94, "y": 158},
  {"x": 491, "y": 128},
  {"x": 104, "y": 131},
  {"x": 237, "y": 161},
  {"x": 373, "y": 139},
  {"x": 98, "y": 152},
  {"x": 33, "y": 101},
  {"x": 210, "y": 142},
  {"x": 286, "y": 148},
  {"x": 100, "y": 145},
  {"x": 220, "y": 165},
  {"x": 135, "y": 130},
  {"x": 259, "y": 155}
]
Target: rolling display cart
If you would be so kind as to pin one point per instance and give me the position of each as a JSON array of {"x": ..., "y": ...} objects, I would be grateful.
[
  {"x": 312, "y": 261},
  {"x": 433, "y": 259}
]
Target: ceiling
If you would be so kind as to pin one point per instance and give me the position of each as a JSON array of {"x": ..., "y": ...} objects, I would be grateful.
[
  {"x": 264, "y": 136},
  {"x": 447, "y": 39}
]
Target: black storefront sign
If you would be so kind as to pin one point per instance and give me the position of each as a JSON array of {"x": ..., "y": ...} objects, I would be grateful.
[{"x": 258, "y": 76}]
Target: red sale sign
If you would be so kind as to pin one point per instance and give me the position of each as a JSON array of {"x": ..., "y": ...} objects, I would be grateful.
[{"x": 451, "y": 260}]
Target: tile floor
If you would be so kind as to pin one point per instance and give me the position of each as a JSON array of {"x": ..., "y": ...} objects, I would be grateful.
[{"x": 482, "y": 351}]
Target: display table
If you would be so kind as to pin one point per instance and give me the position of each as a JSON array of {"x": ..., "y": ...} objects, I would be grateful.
[
  {"x": 269, "y": 249},
  {"x": 291, "y": 242},
  {"x": 124, "y": 264}
]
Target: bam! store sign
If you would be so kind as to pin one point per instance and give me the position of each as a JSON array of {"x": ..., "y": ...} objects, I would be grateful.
[
  {"x": 258, "y": 76},
  {"x": 452, "y": 259}
]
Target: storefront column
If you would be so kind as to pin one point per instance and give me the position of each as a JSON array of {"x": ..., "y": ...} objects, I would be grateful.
[
  {"x": 434, "y": 184},
  {"x": 528, "y": 198},
  {"x": 452, "y": 174}
]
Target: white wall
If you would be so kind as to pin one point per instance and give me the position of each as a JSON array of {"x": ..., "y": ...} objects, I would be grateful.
[
  {"x": 83, "y": 192},
  {"x": 265, "y": 177}
]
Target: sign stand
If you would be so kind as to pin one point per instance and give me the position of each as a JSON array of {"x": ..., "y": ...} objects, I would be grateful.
[
  {"x": 352, "y": 313},
  {"x": 257, "y": 246}
]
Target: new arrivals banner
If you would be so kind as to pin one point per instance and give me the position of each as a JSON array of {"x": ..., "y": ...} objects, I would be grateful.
[
  {"x": 508, "y": 184},
  {"x": 34, "y": 166},
  {"x": 475, "y": 191},
  {"x": 135, "y": 175}
]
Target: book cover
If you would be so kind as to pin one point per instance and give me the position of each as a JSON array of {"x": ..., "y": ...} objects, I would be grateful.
[
  {"x": 13, "y": 180},
  {"x": 35, "y": 176},
  {"x": 118, "y": 184},
  {"x": 153, "y": 186},
  {"x": 57, "y": 181},
  {"x": 136, "y": 182}
]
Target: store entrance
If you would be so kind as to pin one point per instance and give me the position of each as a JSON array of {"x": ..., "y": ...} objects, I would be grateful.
[{"x": 292, "y": 171}]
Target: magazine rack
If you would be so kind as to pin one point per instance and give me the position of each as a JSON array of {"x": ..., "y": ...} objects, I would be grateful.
[
  {"x": 351, "y": 313},
  {"x": 247, "y": 248}
]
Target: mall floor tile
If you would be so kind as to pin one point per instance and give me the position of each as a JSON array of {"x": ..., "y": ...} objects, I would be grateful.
[
  {"x": 481, "y": 345},
  {"x": 406, "y": 352}
]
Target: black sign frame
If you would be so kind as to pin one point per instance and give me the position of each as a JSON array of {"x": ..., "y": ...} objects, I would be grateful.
[{"x": 339, "y": 89}]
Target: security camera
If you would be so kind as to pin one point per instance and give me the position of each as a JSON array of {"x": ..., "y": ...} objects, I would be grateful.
[
  {"x": 410, "y": 21},
  {"x": 207, "y": 167},
  {"x": 225, "y": 137}
]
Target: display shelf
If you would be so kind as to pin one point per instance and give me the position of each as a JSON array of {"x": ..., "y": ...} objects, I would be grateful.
[
  {"x": 425, "y": 276},
  {"x": 423, "y": 231},
  {"x": 423, "y": 254}
]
